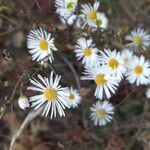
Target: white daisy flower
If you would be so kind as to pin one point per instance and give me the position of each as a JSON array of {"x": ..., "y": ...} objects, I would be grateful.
[
  {"x": 73, "y": 97},
  {"x": 101, "y": 113},
  {"x": 23, "y": 102},
  {"x": 51, "y": 94},
  {"x": 102, "y": 20},
  {"x": 85, "y": 50},
  {"x": 40, "y": 44},
  {"x": 106, "y": 84},
  {"x": 113, "y": 62},
  {"x": 65, "y": 8},
  {"x": 139, "y": 71},
  {"x": 139, "y": 38},
  {"x": 147, "y": 93},
  {"x": 90, "y": 13},
  {"x": 126, "y": 56}
]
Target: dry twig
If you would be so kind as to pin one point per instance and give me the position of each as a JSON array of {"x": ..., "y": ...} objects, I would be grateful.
[{"x": 32, "y": 114}]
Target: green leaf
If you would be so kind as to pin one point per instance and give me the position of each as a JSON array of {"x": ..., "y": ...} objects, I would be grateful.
[
  {"x": 98, "y": 147},
  {"x": 131, "y": 109},
  {"x": 3, "y": 7}
]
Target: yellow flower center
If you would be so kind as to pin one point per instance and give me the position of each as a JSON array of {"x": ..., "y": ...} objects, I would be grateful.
[
  {"x": 71, "y": 96},
  {"x": 87, "y": 52},
  {"x": 113, "y": 63},
  {"x": 138, "y": 70},
  {"x": 101, "y": 113},
  {"x": 50, "y": 94},
  {"x": 43, "y": 44},
  {"x": 92, "y": 14},
  {"x": 137, "y": 40},
  {"x": 99, "y": 22},
  {"x": 100, "y": 79},
  {"x": 70, "y": 5}
]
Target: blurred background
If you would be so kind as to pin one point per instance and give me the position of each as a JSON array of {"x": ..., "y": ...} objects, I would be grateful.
[{"x": 129, "y": 129}]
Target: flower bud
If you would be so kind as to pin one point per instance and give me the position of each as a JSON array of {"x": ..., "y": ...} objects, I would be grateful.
[
  {"x": 147, "y": 93},
  {"x": 23, "y": 102}
]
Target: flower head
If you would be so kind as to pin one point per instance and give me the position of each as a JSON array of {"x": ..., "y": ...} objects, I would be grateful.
[
  {"x": 101, "y": 21},
  {"x": 73, "y": 97},
  {"x": 139, "y": 38},
  {"x": 51, "y": 94},
  {"x": 106, "y": 84},
  {"x": 126, "y": 56},
  {"x": 139, "y": 71},
  {"x": 86, "y": 50},
  {"x": 65, "y": 8},
  {"x": 89, "y": 13},
  {"x": 101, "y": 113},
  {"x": 113, "y": 62},
  {"x": 40, "y": 44}
]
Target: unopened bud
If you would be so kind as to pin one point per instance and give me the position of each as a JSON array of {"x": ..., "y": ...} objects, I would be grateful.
[
  {"x": 23, "y": 102},
  {"x": 147, "y": 93}
]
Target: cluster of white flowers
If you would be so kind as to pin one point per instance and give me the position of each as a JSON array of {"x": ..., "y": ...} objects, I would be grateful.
[
  {"x": 52, "y": 95},
  {"x": 107, "y": 68},
  {"x": 92, "y": 17},
  {"x": 66, "y": 10},
  {"x": 88, "y": 15}
]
